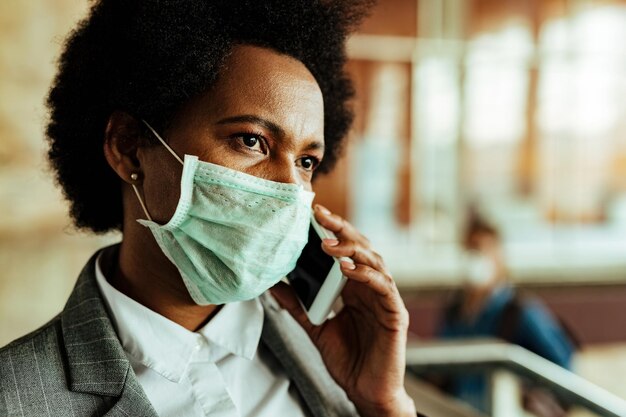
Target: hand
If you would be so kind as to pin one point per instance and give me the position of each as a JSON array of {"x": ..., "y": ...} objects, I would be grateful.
[{"x": 364, "y": 345}]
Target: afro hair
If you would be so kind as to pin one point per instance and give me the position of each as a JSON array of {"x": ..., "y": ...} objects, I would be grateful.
[{"x": 149, "y": 57}]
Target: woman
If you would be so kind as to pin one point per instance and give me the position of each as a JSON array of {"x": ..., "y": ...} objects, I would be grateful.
[
  {"x": 195, "y": 128},
  {"x": 488, "y": 306}
]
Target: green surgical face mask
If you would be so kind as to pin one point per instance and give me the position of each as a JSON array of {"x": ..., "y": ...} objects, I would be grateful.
[{"x": 233, "y": 235}]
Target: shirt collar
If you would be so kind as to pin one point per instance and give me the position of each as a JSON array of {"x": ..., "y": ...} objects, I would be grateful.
[
  {"x": 236, "y": 328},
  {"x": 166, "y": 347}
]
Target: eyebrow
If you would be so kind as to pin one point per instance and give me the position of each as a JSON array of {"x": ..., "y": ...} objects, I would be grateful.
[{"x": 272, "y": 127}]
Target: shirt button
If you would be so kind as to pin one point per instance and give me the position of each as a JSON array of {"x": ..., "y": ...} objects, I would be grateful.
[{"x": 199, "y": 344}]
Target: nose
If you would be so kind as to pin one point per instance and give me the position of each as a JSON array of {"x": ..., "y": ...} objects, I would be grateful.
[{"x": 286, "y": 172}]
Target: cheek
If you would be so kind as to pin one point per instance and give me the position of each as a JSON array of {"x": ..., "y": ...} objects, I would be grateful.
[
  {"x": 207, "y": 146},
  {"x": 224, "y": 156},
  {"x": 161, "y": 188}
]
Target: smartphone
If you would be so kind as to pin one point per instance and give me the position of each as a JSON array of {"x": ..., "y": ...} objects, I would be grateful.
[{"x": 317, "y": 279}]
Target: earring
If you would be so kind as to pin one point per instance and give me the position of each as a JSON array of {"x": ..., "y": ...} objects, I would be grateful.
[{"x": 134, "y": 177}]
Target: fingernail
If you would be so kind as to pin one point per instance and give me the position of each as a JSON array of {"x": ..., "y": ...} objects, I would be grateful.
[
  {"x": 322, "y": 209},
  {"x": 348, "y": 265},
  {"x": 331, "y": 242}
]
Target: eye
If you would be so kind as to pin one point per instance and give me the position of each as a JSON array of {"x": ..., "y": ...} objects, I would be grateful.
[
  {"x": 308, "y": 163},
  {"x": 252, "y": 141}
]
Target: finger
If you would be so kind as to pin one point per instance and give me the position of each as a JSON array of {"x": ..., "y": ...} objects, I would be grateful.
[
  {"x": 383, "y": 285},
  {"x": 337, "y": 224},
  {"x": 285, "y": 296},
  {"x": 356, "y": 251}
]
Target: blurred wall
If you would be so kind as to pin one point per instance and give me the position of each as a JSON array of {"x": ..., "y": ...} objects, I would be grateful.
[
  {"x": 40, "y": 253},
  {"x": 588, "y": 311}
]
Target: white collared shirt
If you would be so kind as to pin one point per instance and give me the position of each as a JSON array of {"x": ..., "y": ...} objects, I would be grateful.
[{"x": 221, "y": 370}]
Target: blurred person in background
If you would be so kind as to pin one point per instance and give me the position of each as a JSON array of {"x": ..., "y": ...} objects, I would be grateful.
[
  {"x": 195, "y": 127},
  {"x": 489, "y": 306}
]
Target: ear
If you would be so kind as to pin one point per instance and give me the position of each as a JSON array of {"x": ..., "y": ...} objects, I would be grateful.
[{"x": 122, "y": 138}]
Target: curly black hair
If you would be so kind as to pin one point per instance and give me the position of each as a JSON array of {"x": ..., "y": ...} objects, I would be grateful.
[{"x": 149, "y": 57}]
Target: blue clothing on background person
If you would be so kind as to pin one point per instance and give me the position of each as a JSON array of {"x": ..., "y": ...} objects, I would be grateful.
[{"x": 536, "y": 330}]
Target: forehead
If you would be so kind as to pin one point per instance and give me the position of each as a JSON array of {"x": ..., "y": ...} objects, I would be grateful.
[{"x": 261, "y": 82}]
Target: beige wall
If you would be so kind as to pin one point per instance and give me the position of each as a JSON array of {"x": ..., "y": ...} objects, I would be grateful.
[{"x": 40, "y": 253}]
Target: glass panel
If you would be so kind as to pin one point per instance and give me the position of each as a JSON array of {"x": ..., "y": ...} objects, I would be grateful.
[{"x": 524, "y": 119}]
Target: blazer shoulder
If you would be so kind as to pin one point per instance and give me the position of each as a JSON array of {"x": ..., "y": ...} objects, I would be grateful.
[
  {"x": 34, "y": 353},
  {"x": 54, "y": 326},
  {"x": 34, "y": 378}
]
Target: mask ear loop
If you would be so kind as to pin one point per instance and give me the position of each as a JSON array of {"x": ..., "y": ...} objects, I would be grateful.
[
  {"x": 163, "y": 142},
  {"x": 134, "y": 177}
]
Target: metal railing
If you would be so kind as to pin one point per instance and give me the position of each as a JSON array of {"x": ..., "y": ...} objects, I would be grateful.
[
  {"x": 491, "y": 355},
  {"x": 431, "y": 402}
]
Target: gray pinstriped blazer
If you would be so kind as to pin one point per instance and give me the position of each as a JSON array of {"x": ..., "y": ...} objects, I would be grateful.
[{"x": 75, "y": 365}]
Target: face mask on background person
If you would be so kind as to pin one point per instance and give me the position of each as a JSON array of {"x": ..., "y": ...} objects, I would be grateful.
[
  {"x": 479, "y": 270},
  {"x": 233, "y": 235}
]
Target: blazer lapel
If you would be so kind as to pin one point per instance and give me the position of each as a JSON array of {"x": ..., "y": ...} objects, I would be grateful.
[
  {"x": 133, "y": 401},
  {"x": 302, "y": 363},
  {"x": 96, "y": 360}
]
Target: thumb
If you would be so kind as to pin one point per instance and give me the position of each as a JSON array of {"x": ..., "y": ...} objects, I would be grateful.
[{"x": 286, "y": 297}]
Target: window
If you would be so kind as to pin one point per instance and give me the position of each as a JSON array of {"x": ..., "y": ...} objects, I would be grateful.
[{"x": 523, "y": 117}]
